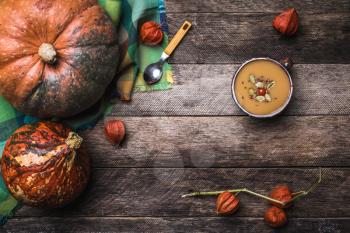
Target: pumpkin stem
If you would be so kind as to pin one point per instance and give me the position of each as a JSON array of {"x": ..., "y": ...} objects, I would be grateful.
[
  {"x": 47, "y": 53},
  {"x": 74, "y": 140}
]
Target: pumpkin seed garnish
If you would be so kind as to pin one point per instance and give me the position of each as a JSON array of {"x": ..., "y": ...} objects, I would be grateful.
[
  {"x": 252, "y": 78},
  {"x": 259, "y": 84},
  {"x": 268, "y": 97},
  {"x": 270, "y": 84},
  {"x": 260, "y": 90},
  {"x": 260, "y": 98}
]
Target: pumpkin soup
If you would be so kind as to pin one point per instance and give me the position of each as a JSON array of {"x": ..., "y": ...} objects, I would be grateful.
[{"x": 262, "y": 87}]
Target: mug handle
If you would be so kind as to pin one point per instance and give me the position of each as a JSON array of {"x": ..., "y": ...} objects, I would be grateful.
[{"x": 287, "y": 63}]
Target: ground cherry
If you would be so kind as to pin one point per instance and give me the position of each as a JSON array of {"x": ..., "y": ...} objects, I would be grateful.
[
  {"x": 226, "y": 203},
  {"x": 275, "y": 217},
  {"x": 283, "y": 194},
  {"x": 261, "y": 91}
]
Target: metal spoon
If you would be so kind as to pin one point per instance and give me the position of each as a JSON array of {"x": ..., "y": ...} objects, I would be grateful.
[{"x": 154, "y": 72}]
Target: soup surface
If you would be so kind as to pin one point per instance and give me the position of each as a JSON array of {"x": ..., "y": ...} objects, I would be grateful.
[{"x": 262, "y": 87}]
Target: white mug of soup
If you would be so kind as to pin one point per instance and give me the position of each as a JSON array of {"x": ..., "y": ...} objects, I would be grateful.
[{"x": 262, "y": 87}]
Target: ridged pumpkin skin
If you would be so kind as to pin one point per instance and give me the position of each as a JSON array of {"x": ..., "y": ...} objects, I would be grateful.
[
  {"x": 42, "y": 165},
  {"x": 84, "y": 55}
]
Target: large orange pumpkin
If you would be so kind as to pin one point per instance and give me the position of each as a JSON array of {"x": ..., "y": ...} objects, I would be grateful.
[
  {"x": 57, "y": 57},
  {"x": 42, "y": 165}
]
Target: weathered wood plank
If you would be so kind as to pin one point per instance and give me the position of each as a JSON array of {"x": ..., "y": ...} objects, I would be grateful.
[
  {"x": 325, "y": 6},
  {"x": 224, "y": 142},
  {"x": 147, "y": 224},
  {"x": 236, "y": 37},
  {"x": 156, "y": 193},
  {"x": 206, "y": 90}
]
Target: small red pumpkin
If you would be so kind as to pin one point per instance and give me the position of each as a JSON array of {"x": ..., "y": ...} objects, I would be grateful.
[
  {"x": 43, "y": 166},
  {"x": 56, "y": 57}
]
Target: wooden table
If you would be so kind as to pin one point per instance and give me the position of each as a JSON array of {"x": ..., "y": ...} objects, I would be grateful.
[{"x": 195, "y": 137}]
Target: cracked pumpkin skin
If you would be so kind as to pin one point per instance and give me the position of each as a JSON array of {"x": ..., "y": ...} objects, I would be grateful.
[
  {"x": 56, "y": 57},
  {"x": 43, "y": 166}
]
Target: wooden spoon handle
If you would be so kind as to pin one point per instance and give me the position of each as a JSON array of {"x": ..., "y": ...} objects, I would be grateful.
[{"x": 177, "y": 38}]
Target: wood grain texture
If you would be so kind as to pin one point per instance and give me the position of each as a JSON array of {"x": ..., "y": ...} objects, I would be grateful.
[
  {"x": 206, "y": 90},
  {"x": 155, "y": 192},
  {"x": 236, "y": 37},
  {"x": 148, "y": 224},
  {"x": 276, "y": 6},
  {"x": 195, "y": 137},
  {"x": 224, "y": 142}
]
